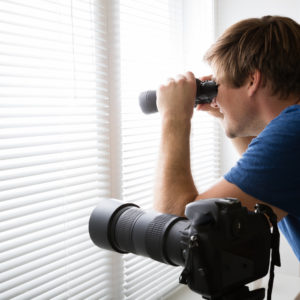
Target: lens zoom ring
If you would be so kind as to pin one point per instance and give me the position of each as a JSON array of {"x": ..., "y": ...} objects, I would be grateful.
[
  {"x": 125, "y": 227},
  {"x": 155, "y": 236}
]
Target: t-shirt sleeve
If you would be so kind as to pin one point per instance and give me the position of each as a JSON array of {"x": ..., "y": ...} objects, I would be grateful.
[{"x": 270, "y": 170}]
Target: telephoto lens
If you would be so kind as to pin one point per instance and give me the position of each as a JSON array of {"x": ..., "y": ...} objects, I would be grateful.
[{"x": 124, "y": 227}]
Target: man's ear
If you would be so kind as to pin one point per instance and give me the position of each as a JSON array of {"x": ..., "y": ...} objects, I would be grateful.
[{"x": 254, "y": 82}]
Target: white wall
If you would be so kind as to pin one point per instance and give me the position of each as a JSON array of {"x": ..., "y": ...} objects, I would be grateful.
[{"x": 231, "y": 11}]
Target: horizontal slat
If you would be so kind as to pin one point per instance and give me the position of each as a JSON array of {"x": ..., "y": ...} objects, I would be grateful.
[
  {"x": 132, "y": 169},
  {"x": 31, "y": 220},
  {"x": 100, "y": 102},
  {"x": 36, "y": 204},
  {"x": 78, "y": 129},
  {"x": 49, "y": 111},
  {"x": 64, "y": 226},
  {"x": 134, "y": 261},
  {"x": 79, "y": 241},
  {"x": 11, "y": 162},
  {"x": 132, "y": 162},
  {"x": 141, "y": 198},
  {"x": 146, "y": 173},
  {"x": 58, "y": 83},
  {"x": 44, "y": 257},
  {"x": 52, "y": 272},
  {"x": 142, "y": 180},
  {"x": 151, "y": 284},
  {"x": 39, "y": 141},
  {"x": 54, "y": 148},
  {"x": 144, "y": 272},
  {"x": 41, "y": 58},
  {"x": 91, "y": 281},
  {"x": 44, "y": 14},
  {"x": 15, "y": 71},
  {"x": 57, "y": 184},
  {"x": 137, "y": 189},
  {"x": 47, "y": 240},
  {"x": 165, "y": 285},
  {"x": 44, "y": 121},
  {"x": 43, "y": 170},
  {"x": 91, "y": 284}
]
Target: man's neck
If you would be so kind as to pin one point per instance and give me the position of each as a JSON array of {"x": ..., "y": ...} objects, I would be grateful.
[{"x": 271, "y": 106}]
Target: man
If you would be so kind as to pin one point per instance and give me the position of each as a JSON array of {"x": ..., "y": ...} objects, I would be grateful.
[{"x": 256, "y": 64}]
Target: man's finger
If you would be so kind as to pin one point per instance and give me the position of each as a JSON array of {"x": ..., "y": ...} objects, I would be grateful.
[
  {"x": 204, "y": 107},
  {"x": 205, "y": 78},
  {"x": 190, "y": 76}
]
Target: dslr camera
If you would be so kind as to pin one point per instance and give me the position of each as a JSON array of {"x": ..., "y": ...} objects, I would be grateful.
[{"x": 221, "y": 245}]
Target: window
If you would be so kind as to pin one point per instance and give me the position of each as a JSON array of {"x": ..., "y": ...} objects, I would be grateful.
[
  {"x": 153, "y": 40},
  {"x": 72, "y": 132}
]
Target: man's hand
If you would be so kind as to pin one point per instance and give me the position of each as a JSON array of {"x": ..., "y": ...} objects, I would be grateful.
[
  {"x": 176, "y": 98},
  {"x": 212, "y": 108}
]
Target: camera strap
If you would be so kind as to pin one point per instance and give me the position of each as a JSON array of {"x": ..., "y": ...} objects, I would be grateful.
[{"x": 275, "y": 239}]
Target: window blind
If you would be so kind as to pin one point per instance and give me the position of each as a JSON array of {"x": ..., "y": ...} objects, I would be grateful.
[
  {"x": 54, "y": 151},
  {"x": 72, "y": 132},
  {"x": 153, "y": 39}
]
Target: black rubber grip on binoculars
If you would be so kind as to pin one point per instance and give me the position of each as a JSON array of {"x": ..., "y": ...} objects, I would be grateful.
[{"x": 206, "y": 91}]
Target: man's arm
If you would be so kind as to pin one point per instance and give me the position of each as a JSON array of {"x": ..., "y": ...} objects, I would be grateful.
[
  {"x": 174, "y": 185},
  {"x": 223, "y": 188}
]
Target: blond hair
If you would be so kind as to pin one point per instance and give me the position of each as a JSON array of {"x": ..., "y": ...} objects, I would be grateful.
[{"x": 270, "y": 44}]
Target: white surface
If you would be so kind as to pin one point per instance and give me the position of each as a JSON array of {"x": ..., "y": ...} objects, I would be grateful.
[
  {"x": 285, "y": 288},
  {"x": 229, "y": 12}
]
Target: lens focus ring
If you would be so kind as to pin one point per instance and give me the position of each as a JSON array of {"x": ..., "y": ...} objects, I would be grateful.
[
  {"x": 156, "y": 236},
  {"x": 125, "y": 227}
]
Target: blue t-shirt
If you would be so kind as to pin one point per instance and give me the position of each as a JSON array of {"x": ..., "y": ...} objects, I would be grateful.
[{"x": 270, "y": 171}]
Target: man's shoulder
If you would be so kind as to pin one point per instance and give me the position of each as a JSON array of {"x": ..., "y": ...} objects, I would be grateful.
[
  {"x": 289, "y": 117},
  {"x": 281, "y": 132}
]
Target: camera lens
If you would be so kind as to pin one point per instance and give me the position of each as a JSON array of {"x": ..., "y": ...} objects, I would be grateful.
[{"x": 124, "y": 227}]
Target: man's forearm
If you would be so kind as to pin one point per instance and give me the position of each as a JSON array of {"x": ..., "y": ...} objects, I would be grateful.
[{"x": 174, "y": 185}]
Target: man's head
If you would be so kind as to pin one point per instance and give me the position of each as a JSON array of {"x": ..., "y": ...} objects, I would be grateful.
[
  {"x": 256, "y": 59},
  {"x": 270, "y": 44}
]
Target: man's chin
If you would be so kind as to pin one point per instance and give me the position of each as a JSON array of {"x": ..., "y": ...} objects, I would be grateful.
[{"x": 230, "y": 134}]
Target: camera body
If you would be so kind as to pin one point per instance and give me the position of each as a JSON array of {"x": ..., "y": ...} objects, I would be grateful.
[
  {"x": 227, "y": 246},
  {"x": 221, "y": 245}
]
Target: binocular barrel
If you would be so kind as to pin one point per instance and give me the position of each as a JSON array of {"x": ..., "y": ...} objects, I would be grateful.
[{"x": 206, "y": 92}]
